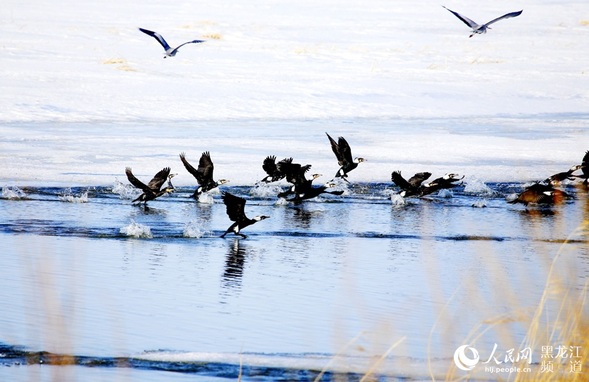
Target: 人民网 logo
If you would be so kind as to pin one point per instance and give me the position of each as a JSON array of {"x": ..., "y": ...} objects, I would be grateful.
[{"x": 464, "y": 361}]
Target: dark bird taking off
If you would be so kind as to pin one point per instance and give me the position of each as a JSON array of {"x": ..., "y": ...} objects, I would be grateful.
[
  {"x": 236, "y": 212},
  {"x": 151, "y": 190},
  {"x": 413, "y": 185},
  {"x": 480, "y": 29},
  {"x": 273, "y": 169},
  {"x": 170, "y": 52},
  {"x": 203, "y": 174},
  {"x": 343, "y": 153},
  {"x": 445, "y": 182}
]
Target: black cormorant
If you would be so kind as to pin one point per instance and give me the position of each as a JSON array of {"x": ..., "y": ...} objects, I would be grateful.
[
  {"x": 413, "y": 185},
  {"x": 151, "y": 190},
  {"x": 203, "y": 175},
  {"x": 445, "y": 182},
  {"x": 556, "y": 179},
  {"x": 480, "y": 29},
  {"x": 295, "y": 175},
  {"x": 236, "y": 212},
  {"x": 170, "y": 52},
  {"x": 343, "y": 153},
  {"x": 314, "y": 191},
  {"x": 272, "y": 169},
  {"x": 539, "y": 193}
]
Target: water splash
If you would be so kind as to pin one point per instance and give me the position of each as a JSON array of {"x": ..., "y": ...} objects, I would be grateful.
[
  {"x": 125, "y": 191},
  {"x": 476, "y": 186},
  {"x": 264, "y": 190},
  {"x": 193, "y": 229},
  {"x": 398, "y": 200},
  {"x": 281, "y": 202},
  {"x": 13, "y": 192},
  {"x": 206, "y": 198},
  {"x": 137, "y": 230},
  {"x": 69, "y": 197},
  {"x": 445, "y": 193}
]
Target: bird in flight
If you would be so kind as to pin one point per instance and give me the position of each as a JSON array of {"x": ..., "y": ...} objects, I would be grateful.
[
  {"x": 343, "y": 153},
  {"x": 480, "y": 29},
  {"x": 170, "y": 52},
  {"x": 235, "y": 207},
  {"x": 153, "y": 189}
]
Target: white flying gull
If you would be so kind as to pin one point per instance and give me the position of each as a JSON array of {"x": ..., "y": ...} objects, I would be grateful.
[
  {"x": 480, "y": 29},
  {"x": 170, "y": 52}
]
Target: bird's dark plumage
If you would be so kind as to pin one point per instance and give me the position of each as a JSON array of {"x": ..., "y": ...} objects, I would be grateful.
[
  {"x": 477, "y": 28},
  {"x": 585, "y": 168},
  {"x": 295, "y": 175},
  {"x": 417, "y": 179},
  {"x": 152, "y": 189},
  {"x": 445, "y": 182},
  {"x": 272, "y": 169},
  {"x": 415, "y": 187},
  {"x": 170, "y": 52},
  {"x": 343, "y": 153},
  {"x": 236, "y": 211},
  {"x": 203, "y": 174},
  {"x": 410, "y": 187}
]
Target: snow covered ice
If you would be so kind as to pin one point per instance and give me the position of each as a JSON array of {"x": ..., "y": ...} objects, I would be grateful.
[{"x": 88, "y": 93}]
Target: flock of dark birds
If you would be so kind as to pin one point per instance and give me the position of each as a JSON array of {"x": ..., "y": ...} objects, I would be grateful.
[
  {"x": 301, "y": 187},
  {"x": 475, "y": 29},
  {"x": 544, "y": 192}
]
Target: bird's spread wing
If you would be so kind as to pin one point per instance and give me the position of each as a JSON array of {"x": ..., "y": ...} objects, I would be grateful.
[
  {"x": 398, "y": 179},
  {"x": 134, "y": 181},
  {"x": 345, "y": 151},
  {"x": 418, "y": 178},
  {"x": 205, "y": 167},
  {"x": 181, "y": 45},
  {"x": 159, "y": 179},
  {"x": 464, "y": 19},
  {"x": 235, "y": 206},
  {"x": 505, "y": 16},
  {"x": 188, "y": 166},
  {"x": 335, "y": 148},
  {"x": 157, "y": 36},
  {"x": 269, "y": 165}
]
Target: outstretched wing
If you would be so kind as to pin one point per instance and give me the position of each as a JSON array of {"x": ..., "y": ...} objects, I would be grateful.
[
  {"x": 294, "y": 172},
  {"x": 336, "y": 150},
  {"x": 418, "y": 178},
  {"x": 345, "y": 150},
  {"x": 158, "y": 37},
  {"x": 156, "y": 183},
  {"x": 398, "y": 179},
  {"x": 235, "y": 206},
  {"x": 505, "y": 16},
  {"x": 173, "y": 52},
  {"x": 464, "y": 19},
  {"x": 134, "y": 181},
  {"x": 189, "y": 167},
  {"x": 205, "y": 167},
  {"x": 269, "y": 165}
]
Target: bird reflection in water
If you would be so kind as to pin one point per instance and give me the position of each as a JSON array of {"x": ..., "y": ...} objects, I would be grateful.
[{"x": 234, "y": 264}]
